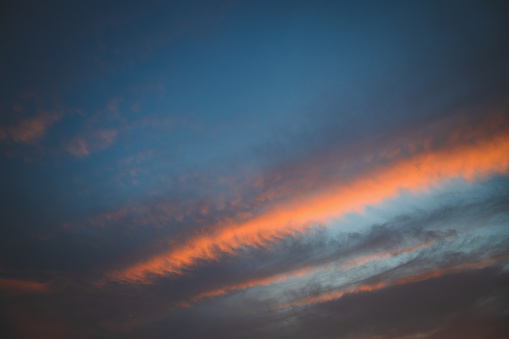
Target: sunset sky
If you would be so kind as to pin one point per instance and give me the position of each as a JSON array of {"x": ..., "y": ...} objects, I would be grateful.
[{"x": 254, "y": 169}]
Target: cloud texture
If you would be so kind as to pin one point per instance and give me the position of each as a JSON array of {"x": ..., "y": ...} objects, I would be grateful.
[{"x": 238, "y": 169}]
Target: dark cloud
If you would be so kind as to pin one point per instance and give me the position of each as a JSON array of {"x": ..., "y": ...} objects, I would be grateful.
[
  {"x": 465, "y": 305},
  {"x": 437, "y": 308}
]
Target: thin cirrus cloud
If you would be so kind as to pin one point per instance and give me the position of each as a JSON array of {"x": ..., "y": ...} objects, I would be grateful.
[
  {"x": 307, "y": 270},
  {"x": 380, "y": 258},
  {"x": 414, "y": 242},
  {"x": 15, "y": 287},
  {"x": 30, "y": 130},
  {"x": 85, "y": 144},
  {"x": 421, "y": 276},
  {"x": 468, "y": 155},
  {"x": 401, "y": 240}
]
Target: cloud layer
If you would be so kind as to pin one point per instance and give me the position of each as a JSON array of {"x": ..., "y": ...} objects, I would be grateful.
[{"x": 237, "y": 169}]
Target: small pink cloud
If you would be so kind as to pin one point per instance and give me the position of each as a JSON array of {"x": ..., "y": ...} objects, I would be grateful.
[
  {"x": 113, "y": 104},
  {"x": 29, "y": 130},
  {"x": 83, "y": 145},
  {"x": 78, "y": 147},
  {"x": 14, "y": 287}
]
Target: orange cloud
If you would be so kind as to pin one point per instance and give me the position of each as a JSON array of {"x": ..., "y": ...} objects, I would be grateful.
[
  {"x": 14, "y": 287},
  {"x": 29, "y": 130},
  {"x": 468, "y": 153}
]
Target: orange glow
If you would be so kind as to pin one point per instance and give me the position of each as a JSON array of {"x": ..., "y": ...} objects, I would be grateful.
[
  {"x": 13, "y": 287},
  {"x": 29, "y": 130},
  {"x": 474, "y": 157}
]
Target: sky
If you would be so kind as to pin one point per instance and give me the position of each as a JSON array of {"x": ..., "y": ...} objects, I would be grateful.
[{"x": 254, "y": 169}]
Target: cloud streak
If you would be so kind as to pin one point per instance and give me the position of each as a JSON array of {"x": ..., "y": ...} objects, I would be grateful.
[
  {"x": 300, "y": 272},
  {"x": 421, "y": 276},
  {"x": 30, "y": 130},
  {"x": 485, "y": 154},
  {"x": 82, "y": 146},
  {"x": 15, "y": 287}
]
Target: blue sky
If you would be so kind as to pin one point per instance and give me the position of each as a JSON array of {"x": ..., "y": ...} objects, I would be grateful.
[{"x": 253, "y": 169}]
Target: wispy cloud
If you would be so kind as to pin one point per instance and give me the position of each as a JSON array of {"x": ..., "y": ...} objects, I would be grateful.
[
  {"x": 85, "y": 144},
  {"x": 421, "y": 276},
  {"x": 15, "y": 287},
  {"x": 30, "y": 130},
  {"x": 342, "y": 265},
  {"x": 484, "y": 155},
  {"x": 242, "y": 169}
]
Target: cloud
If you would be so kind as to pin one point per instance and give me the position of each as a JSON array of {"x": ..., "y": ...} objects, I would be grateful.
[
  {"x": 409, "y": 245},
  {"x": 14, "y": 287},
  {"x": 356, "y": 210},
  {"x": 85, "y": 144},
  {"x": 470, "y": 153},
  {"x": 401, "y": 239},
  {"x": 114, "y": 103},
  {"x": 376, "y": 285},
  {"x": 447, "y": 306},
  {"x": 30, "y": 130},
  {"x": 470, "y": 304},
  {"x": 306, "y": 270}
]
